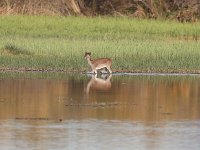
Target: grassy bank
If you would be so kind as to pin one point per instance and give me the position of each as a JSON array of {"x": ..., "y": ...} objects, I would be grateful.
[{"x": 59, "y": 43}]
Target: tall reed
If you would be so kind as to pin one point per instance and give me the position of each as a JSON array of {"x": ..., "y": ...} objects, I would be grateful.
[{"x": 58, "y": 43}]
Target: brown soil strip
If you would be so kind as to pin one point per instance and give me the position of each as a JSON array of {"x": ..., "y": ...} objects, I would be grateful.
[
  {"x": 17, "y": 118},
  {"x": 115, "y": 71},
  {"x": 100, "y": 104}
]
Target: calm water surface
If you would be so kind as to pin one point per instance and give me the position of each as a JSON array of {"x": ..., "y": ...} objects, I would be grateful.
[{"x": 76, "y": 111}]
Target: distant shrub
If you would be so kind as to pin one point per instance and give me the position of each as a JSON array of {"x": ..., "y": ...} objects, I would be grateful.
[{"x": 181, "y": 10}]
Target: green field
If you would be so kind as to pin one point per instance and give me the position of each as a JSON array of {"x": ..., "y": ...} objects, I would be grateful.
[{"x": 59, "y": 43}]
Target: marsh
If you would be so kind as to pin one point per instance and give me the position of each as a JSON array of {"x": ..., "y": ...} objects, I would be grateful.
[{"x": 54, "y": 111}]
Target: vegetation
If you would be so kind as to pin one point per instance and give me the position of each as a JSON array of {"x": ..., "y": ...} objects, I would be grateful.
[
  {"x": 59, "y": 43},
  {"x": 181, "y": 10}
]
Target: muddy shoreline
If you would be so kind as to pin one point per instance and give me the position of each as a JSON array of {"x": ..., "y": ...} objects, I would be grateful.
[{"x": 115, "y": 72}]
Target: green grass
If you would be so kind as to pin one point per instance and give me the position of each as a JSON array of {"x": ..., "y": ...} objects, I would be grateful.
[{"x": 59, "y": 43}]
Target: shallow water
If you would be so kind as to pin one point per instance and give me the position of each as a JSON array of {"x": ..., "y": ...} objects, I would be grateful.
[{"x": 72, "y": 111}]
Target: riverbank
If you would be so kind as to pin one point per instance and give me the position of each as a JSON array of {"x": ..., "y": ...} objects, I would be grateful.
[{"x": 41, "y": 43}]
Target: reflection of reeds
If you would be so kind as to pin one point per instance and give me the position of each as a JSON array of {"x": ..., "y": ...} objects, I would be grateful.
[
  {"x": 57, "y": 43},
  {"x": 130, "y": 98}
]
